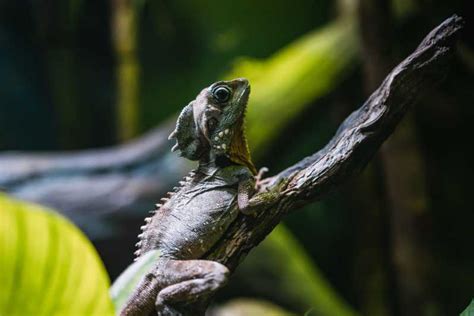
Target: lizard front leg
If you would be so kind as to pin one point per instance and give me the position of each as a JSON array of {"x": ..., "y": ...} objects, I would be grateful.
[
  {"x": 259, "y": 177},
  {"x": 175, "y": 281},
  {"x": 248, "y": 200}
]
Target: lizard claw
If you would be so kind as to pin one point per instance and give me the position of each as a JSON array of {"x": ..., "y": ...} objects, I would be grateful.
[{"x": 258, "y": 178}]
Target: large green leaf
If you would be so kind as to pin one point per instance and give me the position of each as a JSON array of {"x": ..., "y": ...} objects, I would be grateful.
[
  {"x": 47, "y": 266},
  {"x": 302, "y": 276}
]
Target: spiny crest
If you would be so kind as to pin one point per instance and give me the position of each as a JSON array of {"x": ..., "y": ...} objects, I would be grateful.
[{"x": 158, "y": 206}]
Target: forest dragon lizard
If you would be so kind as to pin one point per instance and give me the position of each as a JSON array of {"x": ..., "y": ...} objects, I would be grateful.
[{"x": 194, "y": 217}]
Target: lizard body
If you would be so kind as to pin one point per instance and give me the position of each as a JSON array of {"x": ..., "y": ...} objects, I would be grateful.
[
  {"x": 181, "y": 228},
  {"x": 195, "y": 216}
]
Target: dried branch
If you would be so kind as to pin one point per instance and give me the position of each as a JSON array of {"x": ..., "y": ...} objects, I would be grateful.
[
  {"x": 362, "y": 133},
  {"x": 354, "y": 144}
]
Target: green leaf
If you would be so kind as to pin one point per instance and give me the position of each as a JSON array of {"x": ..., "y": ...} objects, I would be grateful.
[
  {"x": 250, "y": 307},
  {"x": 302, "y": 276},
  {"x": 129, "y": 279},
  {"x": 297, "y": 278},
  {"x": 48, "y": 267},
  {"x": 469, "y": 311}
]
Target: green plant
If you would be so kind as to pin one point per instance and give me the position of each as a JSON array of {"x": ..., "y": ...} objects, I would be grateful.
[
  {"x": 48, "y": 267},
  {"x": 469, "y": 311}
]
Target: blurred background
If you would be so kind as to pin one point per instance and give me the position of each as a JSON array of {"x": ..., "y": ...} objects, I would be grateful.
[{"x": 77, "y": 76}]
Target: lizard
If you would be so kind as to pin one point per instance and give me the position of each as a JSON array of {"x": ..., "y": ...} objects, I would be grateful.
[{"x": 192, "y": 218}]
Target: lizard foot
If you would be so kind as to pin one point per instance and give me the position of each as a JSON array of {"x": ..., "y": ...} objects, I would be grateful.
[
  {"x": 188, "y": 280},
  {"x": 259, "y": 182}
]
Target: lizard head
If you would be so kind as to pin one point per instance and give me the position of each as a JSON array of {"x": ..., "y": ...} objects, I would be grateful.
[{"x": 214, "y": 123}]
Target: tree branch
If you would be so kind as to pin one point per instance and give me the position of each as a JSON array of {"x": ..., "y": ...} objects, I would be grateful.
[
  {"x": 362, "y": 133},
  {"x": 354, "y": 144}
]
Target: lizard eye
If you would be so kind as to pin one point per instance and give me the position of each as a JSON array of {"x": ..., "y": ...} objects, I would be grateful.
[{"x": 221, "y": 94}]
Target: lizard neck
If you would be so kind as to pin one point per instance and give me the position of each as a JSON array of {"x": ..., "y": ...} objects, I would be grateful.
[
  {"x": 239, "y": 149},
  {"x": 238, "y": 153},
  {"x": 213, "y": 162}
]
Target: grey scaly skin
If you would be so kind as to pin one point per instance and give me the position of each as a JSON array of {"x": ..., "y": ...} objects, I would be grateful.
[{"x": 195, "y": 216}]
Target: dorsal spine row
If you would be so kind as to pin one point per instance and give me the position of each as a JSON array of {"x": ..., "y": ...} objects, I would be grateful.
[{"x": 158, "y": 207}]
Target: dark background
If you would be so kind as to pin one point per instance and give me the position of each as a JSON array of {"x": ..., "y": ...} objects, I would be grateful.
[{"x": 396, "y": 240}]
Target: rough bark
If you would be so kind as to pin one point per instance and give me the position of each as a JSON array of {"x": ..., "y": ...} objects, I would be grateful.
[{"x": 354, "y": 144}]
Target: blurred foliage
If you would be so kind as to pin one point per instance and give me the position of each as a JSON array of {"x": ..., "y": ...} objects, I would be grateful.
[
  {"x": 123, "y": 286},
  {"x": 249, "y": 307},
  {"x": 59, "y": 89},
  {"x": 48, "y": 267},
  {"x": 302, "y": 72},
  {"x": 295, "y": 281},
  {"x": 200, "y": 40},
  {"x": 56, "y": 83},
  {"x": 124, "y": 37}
]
